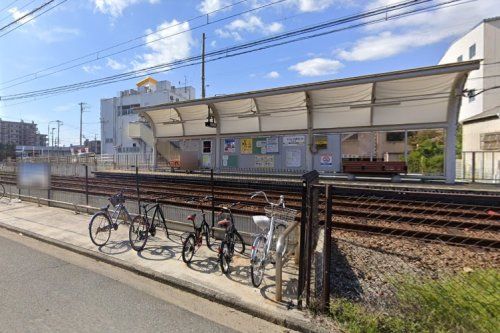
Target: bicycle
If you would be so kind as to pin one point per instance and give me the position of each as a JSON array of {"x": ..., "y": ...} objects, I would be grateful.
[
  {"x": 195, "y": 239},
  {"x": 142, "y": 226},
  {"x": 232, "y": 239},
  {"x": 273, "y": 224},
  {"x": 102, "y": 222}
]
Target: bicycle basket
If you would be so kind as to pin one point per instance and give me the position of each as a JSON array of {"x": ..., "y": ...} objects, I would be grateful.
[
  {"x": 117, "y": 199},
  {"x": 281, "y": 215}
]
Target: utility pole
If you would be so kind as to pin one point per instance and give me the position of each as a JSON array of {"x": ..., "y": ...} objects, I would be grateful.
[
  {"x": 53, "y": 128},
  {"x": 59, "y": 124},
  {"x": 82, "y": 108},
  {"x": 203, "y": 67}
]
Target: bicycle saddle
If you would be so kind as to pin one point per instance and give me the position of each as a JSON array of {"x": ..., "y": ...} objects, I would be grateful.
[
  {"x": 224, "y": 223},
  {"x": 191, "y": 217}
]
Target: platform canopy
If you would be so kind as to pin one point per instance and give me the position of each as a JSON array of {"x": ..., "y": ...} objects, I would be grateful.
[{"x": 416, "y": 98}]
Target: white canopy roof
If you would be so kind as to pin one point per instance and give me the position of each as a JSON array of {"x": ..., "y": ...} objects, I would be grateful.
[{"x": 422, "y": 97}]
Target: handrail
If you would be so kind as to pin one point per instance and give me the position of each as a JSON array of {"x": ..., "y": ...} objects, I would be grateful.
[{"x": 280, "y": 244}]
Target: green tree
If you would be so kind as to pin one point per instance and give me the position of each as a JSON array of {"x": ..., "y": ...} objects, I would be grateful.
[{"x": 427, "y": 156}]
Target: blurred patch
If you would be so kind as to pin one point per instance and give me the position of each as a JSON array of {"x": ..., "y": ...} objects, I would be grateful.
[{"x": 33, "y": 176}]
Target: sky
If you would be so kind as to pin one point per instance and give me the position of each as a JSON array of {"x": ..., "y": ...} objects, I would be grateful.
[{"x": 161, "y": 31}]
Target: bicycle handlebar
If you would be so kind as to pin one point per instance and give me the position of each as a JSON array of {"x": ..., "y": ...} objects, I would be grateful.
[{"x": 281, "y": 201}]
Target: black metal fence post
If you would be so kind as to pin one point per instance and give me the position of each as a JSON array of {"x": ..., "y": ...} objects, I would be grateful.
[
  {"x": 305, "y": 235},
  {"x": 86, "y": 184},
  {"x": 327, "y": 249},
  {"x": 137, "y": 188},
  {"x": 213, "y": 196}
]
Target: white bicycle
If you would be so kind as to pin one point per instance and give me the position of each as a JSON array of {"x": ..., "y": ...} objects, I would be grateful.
[{"x": 273, "y": 224}]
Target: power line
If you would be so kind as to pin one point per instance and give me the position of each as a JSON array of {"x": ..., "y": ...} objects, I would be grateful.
[
  {"x": 34, "y": 17},
  {"x": 226, "y": 53},
  {"x": 98, "y": 56},
  {"x": 20, "y": 8},
  {"x": 27, "y": 14},
  {"x": 10, "y": 4}
]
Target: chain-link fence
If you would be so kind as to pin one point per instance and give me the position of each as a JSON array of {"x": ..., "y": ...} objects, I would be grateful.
[{"x": 402, "y": 263}]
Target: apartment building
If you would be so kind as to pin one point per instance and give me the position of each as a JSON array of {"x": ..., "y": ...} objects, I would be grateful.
[
  {"x": 20, "y": 133},
  {"x": 118, "y": 112}
]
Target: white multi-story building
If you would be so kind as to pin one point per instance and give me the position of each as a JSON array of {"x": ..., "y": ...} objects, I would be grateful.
[
  {"x": 480, "y": 114},
  {"x": 117, "y": 114}
]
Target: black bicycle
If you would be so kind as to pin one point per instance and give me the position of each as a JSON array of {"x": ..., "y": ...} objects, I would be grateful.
[
  {"x": 142, "y": 225},
  {"x": 232, "y": 239},
  {"x": 195, "y": 239}
]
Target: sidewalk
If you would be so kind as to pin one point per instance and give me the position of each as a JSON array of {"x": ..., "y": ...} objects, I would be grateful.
[{"x": 161, "y": 260}]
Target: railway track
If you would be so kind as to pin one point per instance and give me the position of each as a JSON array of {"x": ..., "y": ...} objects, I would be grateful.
[{"x": 431, "y": 220}]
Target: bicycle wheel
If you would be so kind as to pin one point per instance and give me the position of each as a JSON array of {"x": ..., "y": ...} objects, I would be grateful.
[
  {"x": 239, "y": 243},
  {"x": 278, "y": 231},
  {"x": 257, "y": 266},
  {"x": 138, "y": 233},
  {"x": 208, "y": 236},
  {"x": 188, "y": 248},
  {"x": 100, "y": 229},
  {"x": 2, "y": 191},
  {"x": 224, "y": 257}
]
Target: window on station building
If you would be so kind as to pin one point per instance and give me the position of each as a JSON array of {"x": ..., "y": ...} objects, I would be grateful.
[
  {"x": 127, "y": 109},
  {"x": 472, "y": 51},
  {"x": 460, "y": 59},
  {"x": 395, "y": 136}
]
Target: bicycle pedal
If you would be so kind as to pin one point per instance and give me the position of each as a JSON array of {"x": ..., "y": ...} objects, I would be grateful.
[{"x": 115, "y": 226}]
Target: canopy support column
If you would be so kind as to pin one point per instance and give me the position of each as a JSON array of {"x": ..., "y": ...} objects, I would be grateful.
[{"x": 451, "y": 129}]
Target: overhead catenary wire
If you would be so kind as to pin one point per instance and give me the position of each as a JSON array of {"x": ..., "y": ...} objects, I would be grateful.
[
  {"x": 28, "y": 14},
  {"x": 226, "y": 52},
  {"x": 97, "y": 55},
  {"x": 31, "y": 18},
  {"x": 19, "y": 9}
]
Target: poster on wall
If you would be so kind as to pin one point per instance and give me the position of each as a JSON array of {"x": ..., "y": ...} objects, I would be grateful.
[
  {"x": 230, "y": 161},
  {"x": 293, "y": 158},
  {"x": 294, "y": 140},
  {"x": 206, "y": 161},
  {"x": 272, "y": 145},
  {"x": 321, "y": 141},
  {"x": 259, "y": 146},
  {"x": 207, "y": 147},
  {"x": 229, "y": 145},
  {"x": 264, "y": 161},
  {"x": 246, "y": 146},
  {"x": 326, "y": 159}
]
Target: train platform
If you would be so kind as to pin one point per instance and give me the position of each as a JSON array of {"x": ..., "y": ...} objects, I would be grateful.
[{"x": 161, "y": 260}]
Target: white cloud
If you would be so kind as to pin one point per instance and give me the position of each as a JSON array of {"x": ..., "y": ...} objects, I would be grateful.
[
  {"x": 208, "y": 6},
  {"x": 272, "y": 75},
  {"x": 17, "y": 14},
  {"x": 91, "y": 68},
  {"x": 393, "y": 37},
  {"x": 312, "y": 5},
  {"x": 250, "y": 23},
  {"x": 56, "y": 34},
  {"x": 317, "y": 67},
  {"x": 213, "y": 43},
  {"x": 115, "y": 7},
  {"x": 176, "y": 45},
  {"x": 113, "y": 64}
]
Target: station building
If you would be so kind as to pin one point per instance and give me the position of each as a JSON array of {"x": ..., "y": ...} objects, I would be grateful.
[{"x": 305, "y": 127}]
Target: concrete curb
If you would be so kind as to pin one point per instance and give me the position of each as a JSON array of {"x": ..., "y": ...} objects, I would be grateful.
[{"x": 212, "y": 295}]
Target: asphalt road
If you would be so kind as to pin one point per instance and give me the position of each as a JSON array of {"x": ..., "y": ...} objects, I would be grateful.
[{"x": 40, "y": 292}]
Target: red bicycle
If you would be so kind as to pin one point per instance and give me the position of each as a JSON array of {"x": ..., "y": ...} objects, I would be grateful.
[{"x": 195, "y": 239}]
